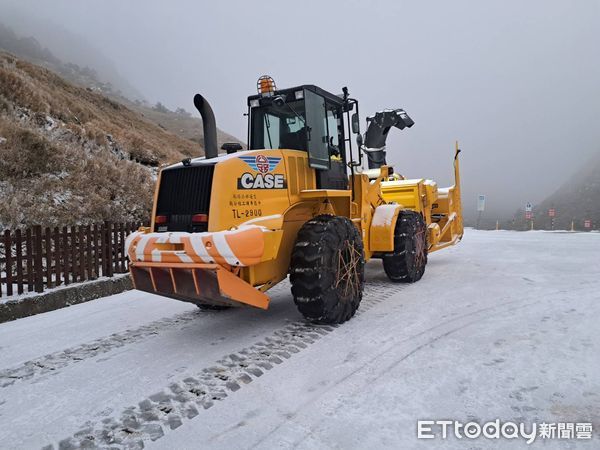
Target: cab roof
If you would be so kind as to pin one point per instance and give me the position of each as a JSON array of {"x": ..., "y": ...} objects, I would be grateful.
[{"x": 337, "y": 99}]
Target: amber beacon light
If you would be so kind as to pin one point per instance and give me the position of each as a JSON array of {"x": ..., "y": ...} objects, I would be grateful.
[{"x": 265, "y": 85}]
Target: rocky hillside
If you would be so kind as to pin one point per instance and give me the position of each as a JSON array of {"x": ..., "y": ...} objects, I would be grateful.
[
  {"x": 72, "y": 155},
  {"x": 576, "y": 200}
]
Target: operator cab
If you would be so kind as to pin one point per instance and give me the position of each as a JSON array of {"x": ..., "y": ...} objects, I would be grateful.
[{"x": 304, "y": 118}]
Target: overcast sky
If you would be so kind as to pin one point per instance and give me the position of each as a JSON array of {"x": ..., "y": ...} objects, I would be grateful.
[{"x": 516, "y": 82}]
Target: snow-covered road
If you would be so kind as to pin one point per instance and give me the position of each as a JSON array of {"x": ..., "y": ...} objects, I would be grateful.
[{"x": 505, "y": 325}]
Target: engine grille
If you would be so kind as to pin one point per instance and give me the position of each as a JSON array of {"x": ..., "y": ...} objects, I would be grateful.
[{"x": 184, "y": 191}]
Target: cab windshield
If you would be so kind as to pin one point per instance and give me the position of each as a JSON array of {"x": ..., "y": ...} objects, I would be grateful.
[
  {"x": 282, "y": 126},
  {"x": 310, "y": 123}
]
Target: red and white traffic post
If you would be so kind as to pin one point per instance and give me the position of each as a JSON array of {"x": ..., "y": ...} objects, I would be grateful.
[{"x": 529, "y": 213}]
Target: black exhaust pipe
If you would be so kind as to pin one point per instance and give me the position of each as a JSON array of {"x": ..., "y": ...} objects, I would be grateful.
[
  {"x": 377, "y": 132},
  {"x": 210, "y": 126}
]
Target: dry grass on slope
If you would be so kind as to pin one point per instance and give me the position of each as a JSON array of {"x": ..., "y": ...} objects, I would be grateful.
[
  {"x": 68, "y": 155},
  {"x": 42, "y": 91}
]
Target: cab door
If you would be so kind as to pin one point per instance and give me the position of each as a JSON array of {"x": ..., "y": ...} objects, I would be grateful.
[{"x": 318, "y": 151}]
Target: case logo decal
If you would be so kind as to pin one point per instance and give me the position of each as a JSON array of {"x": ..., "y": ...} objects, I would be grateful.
[
  {"x": 263, "y": 179},
  {"x": 261, "y": 163}
]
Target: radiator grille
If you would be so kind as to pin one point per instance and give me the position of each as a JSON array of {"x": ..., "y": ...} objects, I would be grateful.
[{"x": 184, "y": 191}]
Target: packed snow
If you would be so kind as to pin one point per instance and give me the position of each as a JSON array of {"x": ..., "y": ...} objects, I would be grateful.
[{"x": 502, "y": 326}]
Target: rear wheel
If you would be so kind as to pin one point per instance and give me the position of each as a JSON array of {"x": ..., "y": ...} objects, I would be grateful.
[
  {"x": 327, "y": 269},
  {"x": 407, "y": 263}
]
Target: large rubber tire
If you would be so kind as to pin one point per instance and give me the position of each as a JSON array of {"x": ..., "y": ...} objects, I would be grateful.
[
  {"x": 327, "y": 269},
  {"x": 407, "y": 263}
]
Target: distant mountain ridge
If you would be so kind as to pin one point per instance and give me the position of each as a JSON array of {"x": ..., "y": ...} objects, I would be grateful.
[
  {"x": 575, "y": 201},
  {"x": 30, "y": 49}
]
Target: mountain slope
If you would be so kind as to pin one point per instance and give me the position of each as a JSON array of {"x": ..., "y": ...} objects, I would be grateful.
[
  {"x": 576, "y": 200},
  {"x": 71, "y": 155},
  {"x": 27, "y": 30},
  {"x": 182, "y": 124}
]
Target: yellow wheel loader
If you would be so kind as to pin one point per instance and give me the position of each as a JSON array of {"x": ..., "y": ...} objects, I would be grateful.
[{"x": 227, "y": 228}]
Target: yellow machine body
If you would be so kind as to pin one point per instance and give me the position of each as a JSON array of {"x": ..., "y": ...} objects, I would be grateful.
[
  {"x": 260, "y": 228},
  {"x": 255, "y": 202}
]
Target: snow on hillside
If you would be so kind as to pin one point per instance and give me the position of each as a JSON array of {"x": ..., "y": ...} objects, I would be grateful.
[{"x": 68, "y": 154}]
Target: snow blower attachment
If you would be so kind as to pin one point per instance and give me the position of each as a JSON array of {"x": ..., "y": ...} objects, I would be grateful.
[
  {"x": 377, "y": 132},
  {"x": 226, "y": 228}
]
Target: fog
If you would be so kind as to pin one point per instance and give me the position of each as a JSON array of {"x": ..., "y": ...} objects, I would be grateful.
[{"x": 516, "y": 83}]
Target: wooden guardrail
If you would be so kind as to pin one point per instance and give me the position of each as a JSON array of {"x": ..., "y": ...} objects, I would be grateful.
[{"x": 37, "y": 258}]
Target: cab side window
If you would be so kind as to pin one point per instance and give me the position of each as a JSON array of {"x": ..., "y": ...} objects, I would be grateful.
[
  {"x": 333, "y": 124},
  {"x": 318, "y": 150}
]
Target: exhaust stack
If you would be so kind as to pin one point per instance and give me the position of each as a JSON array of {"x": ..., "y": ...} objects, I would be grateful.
[
  {"x": 377, "y": 131},
  {"x": 210, "y": 126}
]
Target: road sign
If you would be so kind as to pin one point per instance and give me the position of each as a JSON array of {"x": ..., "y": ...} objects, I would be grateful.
[
  {"x": 481, "y": 203},
  {"x": 528, "y": 215},
  {"x": 551, "y": 212},
  {"x": 587, "y": 223},
  {"x": 528, "y": 207}
]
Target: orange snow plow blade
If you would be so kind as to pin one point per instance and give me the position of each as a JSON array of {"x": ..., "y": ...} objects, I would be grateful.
[
  {"x": 196, "y": 283},
  {"x": 200, "y": 268}
]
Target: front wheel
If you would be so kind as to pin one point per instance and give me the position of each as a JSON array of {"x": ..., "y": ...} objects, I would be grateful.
[{"x": 327, "y": 269}]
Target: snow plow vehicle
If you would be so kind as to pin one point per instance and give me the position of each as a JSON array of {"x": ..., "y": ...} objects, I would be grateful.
[{"x": 227, "y": 228}]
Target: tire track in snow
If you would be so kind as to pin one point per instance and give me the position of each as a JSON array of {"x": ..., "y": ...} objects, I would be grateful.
[
  {"x": 422, "y": 340},
  {"x": 185, "y": 399},
  {"x": 53, "y": 362},
  {"x": 430, "y": 338},
  {"x": 58, "y": 360}
]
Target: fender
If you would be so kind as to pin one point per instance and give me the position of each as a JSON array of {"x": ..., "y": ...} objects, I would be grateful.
[{"x": 381, "y": 233}]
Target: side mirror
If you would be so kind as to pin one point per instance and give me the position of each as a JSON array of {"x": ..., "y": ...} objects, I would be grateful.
[
  {"x": 231, "y": 147},
  {"x": 359, "y": 140},
  {"x": 355, "y": 123}
]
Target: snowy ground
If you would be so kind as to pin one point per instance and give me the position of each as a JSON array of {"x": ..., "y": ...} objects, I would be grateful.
[{"x": 505, "y": 325}]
